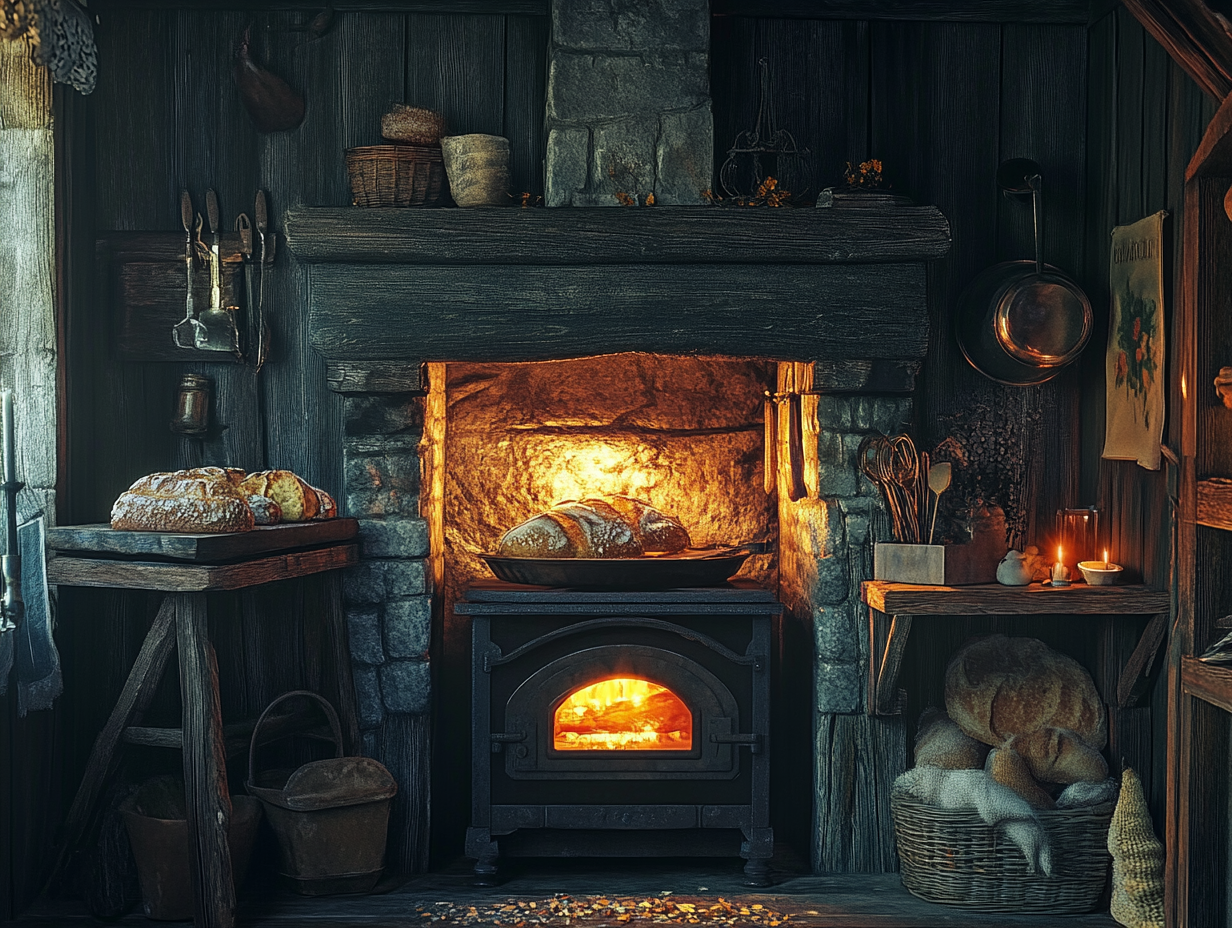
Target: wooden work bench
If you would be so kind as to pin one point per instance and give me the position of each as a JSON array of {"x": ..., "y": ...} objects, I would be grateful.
[
  {"x": 186, "y": 568},
  {"x": 892, "y": 608}
]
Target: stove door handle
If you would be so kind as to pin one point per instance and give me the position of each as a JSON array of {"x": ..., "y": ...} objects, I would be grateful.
[
  {"x": 501, "y": 738},
  {"x": 752, "y": 741}
]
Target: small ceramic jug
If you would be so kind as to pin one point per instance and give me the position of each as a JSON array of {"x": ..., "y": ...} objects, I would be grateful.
[{"x": 1018, "y": 568}]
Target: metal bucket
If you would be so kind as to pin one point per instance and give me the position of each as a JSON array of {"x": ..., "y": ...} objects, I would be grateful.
[
  {"x": 330, "y": 816},
  {"x": 158, "y": 833}
]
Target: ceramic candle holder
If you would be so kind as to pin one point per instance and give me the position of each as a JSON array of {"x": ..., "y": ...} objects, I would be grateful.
[{"x": 1100, "y": 573}]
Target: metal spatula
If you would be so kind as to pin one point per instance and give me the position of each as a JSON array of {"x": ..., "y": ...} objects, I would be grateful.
[
  {"x": 186, "y": 332},
  {"x": 217, "y": 330}
]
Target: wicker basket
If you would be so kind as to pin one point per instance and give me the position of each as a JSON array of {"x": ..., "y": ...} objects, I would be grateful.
[
  {"x": 395, "y": 175},
  {"x": 953, "y": 857}
]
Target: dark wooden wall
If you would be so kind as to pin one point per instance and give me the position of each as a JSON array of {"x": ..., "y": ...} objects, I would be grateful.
[
  {"x": 1111, "y": 120},
  {"x": 1146, "y": 118}
]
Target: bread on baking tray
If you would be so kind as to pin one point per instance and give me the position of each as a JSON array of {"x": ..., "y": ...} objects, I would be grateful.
[
  {"x": 610, "y": 526},
  {"x": 218, "y": 499}
]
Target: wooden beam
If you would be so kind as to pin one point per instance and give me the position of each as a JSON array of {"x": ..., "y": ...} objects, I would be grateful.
[
  {"x": 193, "y": 578},
  {"x": 886, "y": 694},
  {"x": 482, "y": 7},
  {"x": 375, "y": 377},
  {"x": 654, "y": 235},
  {"x": 995, "y": 599},
  {"x": 971, "y": 11},
  {"x": 511, "y": 313},
  {"x": 1136, "y": 675},
  {"x": 1183, "y": 28},
  {"x": 1214, "y": 155},
  {"x": 1212, "y": 683}
]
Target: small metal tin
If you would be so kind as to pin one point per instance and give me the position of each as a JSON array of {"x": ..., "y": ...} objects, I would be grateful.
[{"x": 192, "y": 406}]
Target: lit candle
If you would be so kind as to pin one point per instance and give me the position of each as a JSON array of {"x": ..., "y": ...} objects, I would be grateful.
[
  {"x": 1060, "y": 575},
  {"x": 1104, "y": 566},
  {"x": 10, "y": 456}
]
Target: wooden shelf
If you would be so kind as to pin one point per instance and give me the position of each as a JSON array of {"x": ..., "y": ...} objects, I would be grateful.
[
  {"x": 995, "y": 599},
  {"x": 590, "y": 236},
  {"x": 894, "y": 606},
  {"x": 1212, "y": 683},
  {"x": 1215, "y": 502}
]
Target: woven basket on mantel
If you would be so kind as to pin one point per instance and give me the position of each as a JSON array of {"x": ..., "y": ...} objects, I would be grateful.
[
  {"x": 953, "y": 857},
  {"x": 396, "y": 175}
]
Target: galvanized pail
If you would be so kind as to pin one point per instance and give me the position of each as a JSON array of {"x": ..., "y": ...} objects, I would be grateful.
[{"x": 330, "y": 816}]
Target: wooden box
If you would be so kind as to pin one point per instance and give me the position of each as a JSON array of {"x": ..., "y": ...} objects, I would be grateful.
[{"x": 938, "y": 565}]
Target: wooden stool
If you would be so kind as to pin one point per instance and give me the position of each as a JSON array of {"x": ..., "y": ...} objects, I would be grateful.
[{"x": 191, "y": 566}]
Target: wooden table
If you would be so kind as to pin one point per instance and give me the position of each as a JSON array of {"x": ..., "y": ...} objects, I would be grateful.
[
  {"x": 186, "y": 568},
  {"x": 893, "y": 606}
]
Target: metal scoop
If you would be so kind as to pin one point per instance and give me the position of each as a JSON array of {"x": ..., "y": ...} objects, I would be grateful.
[
  {"x": 187, "y": 331},
  {"x": 217, "y": 330}
]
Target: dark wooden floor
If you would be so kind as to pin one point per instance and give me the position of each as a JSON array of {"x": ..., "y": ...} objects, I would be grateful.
[{"x": 836, "y": 901}]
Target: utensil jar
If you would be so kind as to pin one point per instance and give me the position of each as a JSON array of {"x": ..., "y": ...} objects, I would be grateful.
[{"x": 1078, "y": 537}]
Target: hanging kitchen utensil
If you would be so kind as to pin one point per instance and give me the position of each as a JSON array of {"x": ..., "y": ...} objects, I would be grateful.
[
  {"x": 267, "y": 241},
  {"x": 939, "y": 476},
  {"x": 1021, "y": 322},
  {"x": 763, "y": 152},
  {"x": 243, "y": 226},
  {"x": 184, "y": 332},
  {"x": 770, "y": 438},
  {"x": 270, "y": 101},
  {"x": 217, "y": 330}
]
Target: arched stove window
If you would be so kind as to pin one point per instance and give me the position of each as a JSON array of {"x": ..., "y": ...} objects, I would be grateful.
[{"x": 622, "y": 714}]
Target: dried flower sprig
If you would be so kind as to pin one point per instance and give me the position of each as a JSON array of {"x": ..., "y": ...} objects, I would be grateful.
[{"x": 868, "y": 174}]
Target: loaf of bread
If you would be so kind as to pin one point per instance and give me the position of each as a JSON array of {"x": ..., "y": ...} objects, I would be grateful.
[
  {"x": 941, "y": 743},
  {"x": 204, "y": 499},
  {"x": 264, "y": 510},
  {"x": 298, "y": 499},
  {"x": 327, "y": 508},
  {"x": 611, "y": 526}
]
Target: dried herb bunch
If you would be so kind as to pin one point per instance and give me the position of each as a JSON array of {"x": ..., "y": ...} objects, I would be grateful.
[
  {"x": 867, "y": 175},
  {"x": 989, "y": 448}
]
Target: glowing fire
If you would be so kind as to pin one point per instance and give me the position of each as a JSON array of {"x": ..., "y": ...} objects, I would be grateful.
[
  {"x": 577, "y": 469},
  {"x": 623, "y": 714}
]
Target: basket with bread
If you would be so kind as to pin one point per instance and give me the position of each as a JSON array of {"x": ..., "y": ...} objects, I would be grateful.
[
  {"x": 218, "y": 499},
  {"x": 616, "y": 542}
]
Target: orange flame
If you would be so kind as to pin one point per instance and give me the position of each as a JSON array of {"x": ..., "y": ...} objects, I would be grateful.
[{"x": 622, "y": 714}]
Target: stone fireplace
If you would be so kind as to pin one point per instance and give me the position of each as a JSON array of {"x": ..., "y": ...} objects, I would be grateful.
[{"x": 680, "y": 321}]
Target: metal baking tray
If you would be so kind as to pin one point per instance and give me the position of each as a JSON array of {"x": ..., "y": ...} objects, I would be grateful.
[{"x": 692, "y": 567}]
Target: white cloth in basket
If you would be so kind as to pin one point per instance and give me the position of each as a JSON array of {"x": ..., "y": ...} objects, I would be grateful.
[{"x": 999, "y": 806}]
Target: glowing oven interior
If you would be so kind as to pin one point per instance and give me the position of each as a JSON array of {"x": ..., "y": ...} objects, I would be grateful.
[{"x": 622, "y": 714}]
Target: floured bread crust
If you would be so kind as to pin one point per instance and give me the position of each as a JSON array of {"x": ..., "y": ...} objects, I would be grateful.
[
  {"x": 600, "y": 527},
  {"x": 199, "y": 500}
]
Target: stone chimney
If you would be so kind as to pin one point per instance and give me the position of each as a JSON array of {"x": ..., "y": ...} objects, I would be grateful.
[{"x": 628, "y": 103}]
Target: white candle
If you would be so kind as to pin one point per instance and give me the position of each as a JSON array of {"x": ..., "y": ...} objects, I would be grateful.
[
  {"x": 1105, "y": 564},
  {"x": 10, "y": 455},
  {"x": 1059, "y": 573}
]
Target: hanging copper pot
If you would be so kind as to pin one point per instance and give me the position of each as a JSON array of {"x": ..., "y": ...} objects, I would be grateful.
[{"x": 1021, "y": 322}]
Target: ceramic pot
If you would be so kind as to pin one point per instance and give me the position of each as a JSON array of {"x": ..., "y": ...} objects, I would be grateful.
[{"x": 478, "y": 169}]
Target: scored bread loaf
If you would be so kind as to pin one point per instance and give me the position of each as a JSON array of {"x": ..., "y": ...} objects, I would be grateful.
[
  {"x": 611, "y": 526},
  {"x": 298, "y": 499},
  {"x": 204, "y": 499},
  {"x": 264, "y": 510}
]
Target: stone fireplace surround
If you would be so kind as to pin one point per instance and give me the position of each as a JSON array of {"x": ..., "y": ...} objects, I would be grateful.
[{"x": 840, "y": 293}]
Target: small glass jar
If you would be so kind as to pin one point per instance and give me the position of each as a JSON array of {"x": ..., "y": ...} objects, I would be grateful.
[
  {"x": 192, "y": 406},
  {"x": 1078, "y": 536}
]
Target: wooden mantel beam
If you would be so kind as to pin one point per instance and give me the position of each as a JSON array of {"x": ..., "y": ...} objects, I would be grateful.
[{"x": 1195, "y": 36}]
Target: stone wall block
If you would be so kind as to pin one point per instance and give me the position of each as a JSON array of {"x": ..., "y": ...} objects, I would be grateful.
[
  {"x": 364, "y": 583},
  {"x": 888, "y": 415},
  {"x": 832, "y": 585},
  {"x": 408, "y": 627},
  {"x": 594, "y": 88},
  {"x": 405, "y": 578},
  {"x": 835, "y": 631},
  {"x": 624, "y": 160},
  {"x": 364, "y": 634},
  {"x": 380, "y": 483},
  {"x": 839, "y": 687},
  {"x": 834, "y": 412},
  {"x": 631, "y": 24},
  {"x": 396, "y": 537},
  {"x": 406, "y": 686},
  {"x": 369, "y": 414},
  {"x": 568, "y": 155},
  {"x": 368, "y": 696},
  {"x": 835, "y": 467},
  {"x": 685, "y": 157}
]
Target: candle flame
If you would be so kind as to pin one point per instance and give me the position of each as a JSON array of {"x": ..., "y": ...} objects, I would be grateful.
[
  {"x": 1060, "y": 557},
  {"x": 1105, "y": 557}
]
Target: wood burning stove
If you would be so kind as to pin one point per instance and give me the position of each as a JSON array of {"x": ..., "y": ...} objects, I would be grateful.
[{"x": 625, "y": 723}]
